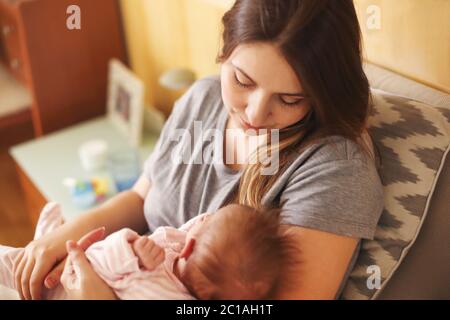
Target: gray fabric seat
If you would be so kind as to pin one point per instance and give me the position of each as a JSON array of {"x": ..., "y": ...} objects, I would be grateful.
[{"x": 425, "y": 271}]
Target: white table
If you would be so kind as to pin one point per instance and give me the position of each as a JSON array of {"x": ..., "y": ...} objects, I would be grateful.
[{"x": 48, "y": 160}]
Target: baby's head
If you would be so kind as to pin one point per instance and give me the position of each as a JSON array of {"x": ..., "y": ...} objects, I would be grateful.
[{"x": 235, "y": 253}]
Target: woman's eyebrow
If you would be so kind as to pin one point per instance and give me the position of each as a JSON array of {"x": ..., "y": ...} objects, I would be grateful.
[{"x": 300, "y": 95}]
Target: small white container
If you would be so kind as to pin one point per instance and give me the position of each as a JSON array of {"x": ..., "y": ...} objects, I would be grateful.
[{"x": 93, "y": 154}]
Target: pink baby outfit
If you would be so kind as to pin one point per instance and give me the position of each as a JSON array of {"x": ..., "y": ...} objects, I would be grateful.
[{"x": 115, "y": 262}]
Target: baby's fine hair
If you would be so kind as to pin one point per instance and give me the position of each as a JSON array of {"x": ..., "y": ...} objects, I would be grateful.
[{"x": 241, "y": 255}]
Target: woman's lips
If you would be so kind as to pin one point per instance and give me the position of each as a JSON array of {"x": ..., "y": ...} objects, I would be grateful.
[{"x": 247, "y": 126}]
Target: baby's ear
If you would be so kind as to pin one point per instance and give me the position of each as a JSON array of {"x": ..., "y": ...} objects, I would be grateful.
[{"x": 188, "y": 249}]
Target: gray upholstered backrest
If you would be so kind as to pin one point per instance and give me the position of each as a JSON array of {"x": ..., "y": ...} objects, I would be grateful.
[{"x": 424, "y": 273}]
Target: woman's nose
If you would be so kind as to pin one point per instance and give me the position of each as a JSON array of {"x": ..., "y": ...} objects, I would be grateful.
[{"x": 258, "y": 110}]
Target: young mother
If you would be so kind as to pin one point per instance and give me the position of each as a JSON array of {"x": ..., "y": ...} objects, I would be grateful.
[{"x": 292, "y": 65}]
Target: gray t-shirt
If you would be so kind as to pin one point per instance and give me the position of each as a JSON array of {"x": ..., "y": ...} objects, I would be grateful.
[{"x": 332, "y": 186}]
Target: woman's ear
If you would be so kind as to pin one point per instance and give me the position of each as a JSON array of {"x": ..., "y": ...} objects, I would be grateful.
[{"x": 188, "y": 248}]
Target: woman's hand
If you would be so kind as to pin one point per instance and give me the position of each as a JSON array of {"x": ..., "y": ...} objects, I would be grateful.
[
  {"x": 37, "y": 260},
  {"x": 32, "y": 265},
  {"x": 79, "y": 278},
  {"x": 53, "y": 278}
]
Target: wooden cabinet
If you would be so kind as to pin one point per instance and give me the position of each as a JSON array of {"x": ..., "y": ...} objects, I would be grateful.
[
  {"x": 64, "y": 70},
  {"x": 12, "y": 50}
]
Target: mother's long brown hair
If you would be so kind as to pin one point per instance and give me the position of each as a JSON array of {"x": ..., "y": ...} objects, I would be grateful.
[{"x": 321, "y": 40}]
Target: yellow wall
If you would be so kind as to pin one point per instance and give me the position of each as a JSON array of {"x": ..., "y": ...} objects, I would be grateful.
[
  {"x": 414, "y": 39},
  {"x": 165, "y": 34}
]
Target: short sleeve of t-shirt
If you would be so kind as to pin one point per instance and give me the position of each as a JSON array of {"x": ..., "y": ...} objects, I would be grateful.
[
  {"x": 337, "y": 190},
  {"x": 181, "y": 115},
  {"x": 161, "y": 144}
]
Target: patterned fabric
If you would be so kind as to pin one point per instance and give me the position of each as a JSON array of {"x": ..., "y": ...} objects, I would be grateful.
[{"x": 412, "y": 139}]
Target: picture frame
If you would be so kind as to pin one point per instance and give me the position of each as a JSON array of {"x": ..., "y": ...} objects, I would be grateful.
[{"x": 125, "y": 103}]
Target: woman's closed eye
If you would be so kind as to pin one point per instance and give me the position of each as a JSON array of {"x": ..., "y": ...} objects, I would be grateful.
[
  {"x": 291, "y": 104},
  {"x": 283, "y": 102},
  {"x": 241, "y": 83}
]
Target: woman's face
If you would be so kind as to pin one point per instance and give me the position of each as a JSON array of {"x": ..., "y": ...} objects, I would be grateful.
[{"x": 260, "y": 89}]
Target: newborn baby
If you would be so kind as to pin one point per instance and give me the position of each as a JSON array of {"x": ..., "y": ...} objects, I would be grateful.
[{"x": 234, "y": 253}]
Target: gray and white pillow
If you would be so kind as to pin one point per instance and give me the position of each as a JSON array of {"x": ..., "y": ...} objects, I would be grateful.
[{"x": 412, "y": 139}]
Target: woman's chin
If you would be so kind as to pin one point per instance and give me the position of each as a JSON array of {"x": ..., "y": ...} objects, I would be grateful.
[{"x": 251, "y": 132}]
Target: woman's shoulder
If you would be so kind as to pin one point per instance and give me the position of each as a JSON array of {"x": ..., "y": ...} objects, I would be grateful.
[
  {"x": 337, "y": 148},
  {"x": 211, "y": 82},
  {"x": 201, "y": 101},
  {"x": 207, "y": 88},
  {"x": 335, "y": 161},
  {"x": 334, "y": 186}
]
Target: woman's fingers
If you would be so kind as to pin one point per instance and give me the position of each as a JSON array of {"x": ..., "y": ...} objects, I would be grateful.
[
  {"x": 79, "y": 279},
  {"x": 90, "y": 238},
  {"x": 75, "y": 267},
  {"x": 67, "y": 276},
  {"x": 25, "y": 280},
  {"x": 40, "y": 269},
  {"x": 54, "y": 277},
  {"x": 18, "y": 277},
  {"x": 17, "y": 260},
  {"x": 77, "y": 256}
]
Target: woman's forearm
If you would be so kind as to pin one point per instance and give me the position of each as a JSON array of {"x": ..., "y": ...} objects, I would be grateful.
[{"x": 123, "y": 210}]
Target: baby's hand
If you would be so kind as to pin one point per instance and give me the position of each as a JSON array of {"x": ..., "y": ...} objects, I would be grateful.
[{"x": 149, "y": 253}]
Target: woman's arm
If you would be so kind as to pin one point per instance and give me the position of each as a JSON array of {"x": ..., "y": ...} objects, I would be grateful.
[
  {"x": 323, "y": 261},
  {"x": 125, "y": 210}
]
